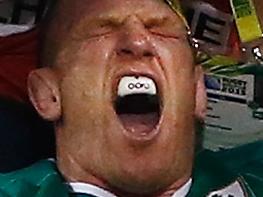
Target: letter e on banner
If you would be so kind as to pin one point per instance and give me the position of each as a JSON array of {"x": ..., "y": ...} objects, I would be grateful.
[{"x": 211, "y": 27}]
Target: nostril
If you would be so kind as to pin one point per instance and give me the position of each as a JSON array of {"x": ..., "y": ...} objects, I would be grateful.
[
  {"x": 126, "y": 51},
  {"x": 147, "y": 54},
  {"x": 130, "y": 52}
]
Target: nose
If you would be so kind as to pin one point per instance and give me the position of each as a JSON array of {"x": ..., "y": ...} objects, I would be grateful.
[{"x": 135, "y": 40}]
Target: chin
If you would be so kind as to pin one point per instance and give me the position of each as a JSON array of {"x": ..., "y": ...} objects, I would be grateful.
[
  {"x": 145, "y": 177},
  {"x": 142, "y": 184}
]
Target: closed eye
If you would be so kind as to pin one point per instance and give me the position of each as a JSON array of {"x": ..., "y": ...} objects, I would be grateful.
[
  {"x": 96, "y": 29},
  {"x": 166, "y": 28}
]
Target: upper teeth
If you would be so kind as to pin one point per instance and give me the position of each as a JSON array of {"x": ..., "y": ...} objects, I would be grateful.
[{"x": 136, "y": 85}]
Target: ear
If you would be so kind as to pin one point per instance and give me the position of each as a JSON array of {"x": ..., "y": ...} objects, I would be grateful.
[
  {"x": 201, "y": 96},
  {"x": 44, "y": 93}
]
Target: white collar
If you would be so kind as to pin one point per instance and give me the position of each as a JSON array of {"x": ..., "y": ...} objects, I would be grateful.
[
  {"x": 183, "y": 191},
  {"x": 86, "y": 188}
]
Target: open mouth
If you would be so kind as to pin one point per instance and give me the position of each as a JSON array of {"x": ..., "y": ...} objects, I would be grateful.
[{"x": 138, "y": 105}]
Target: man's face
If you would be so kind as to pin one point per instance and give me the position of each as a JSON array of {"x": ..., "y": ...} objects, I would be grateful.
[{"x": 109, "y": 46}]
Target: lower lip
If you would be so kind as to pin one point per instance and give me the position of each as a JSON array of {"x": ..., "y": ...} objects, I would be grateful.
[{"x": 141, "y": 137}]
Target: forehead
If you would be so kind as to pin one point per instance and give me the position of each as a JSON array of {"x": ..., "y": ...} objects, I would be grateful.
[{"x": 81, "y": 9}]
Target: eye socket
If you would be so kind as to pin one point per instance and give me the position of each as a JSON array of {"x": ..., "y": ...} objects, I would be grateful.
[
  {"x": 102, "y": 28},
  {"x": 96, "y": 29},
  {"x": 167, "y": 29}
]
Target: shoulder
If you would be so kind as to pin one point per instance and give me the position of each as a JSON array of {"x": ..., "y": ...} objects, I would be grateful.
[
  {"x": 40, "y": 179},
  {"x": 247, "y": 161},
  {"x": 235, "y": 172},
  {"x": 252, "y": 169},
  {"x": 243, "y": 157}
]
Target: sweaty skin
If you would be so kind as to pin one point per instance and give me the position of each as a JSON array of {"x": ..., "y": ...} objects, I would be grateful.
[{"x": 91, "y": 44}]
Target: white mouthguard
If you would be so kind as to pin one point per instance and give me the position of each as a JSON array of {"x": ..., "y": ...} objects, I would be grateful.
[{"x": 136, "y": 85}]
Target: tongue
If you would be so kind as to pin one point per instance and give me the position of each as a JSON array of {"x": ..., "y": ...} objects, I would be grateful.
[{"x": 139, "y": 124}]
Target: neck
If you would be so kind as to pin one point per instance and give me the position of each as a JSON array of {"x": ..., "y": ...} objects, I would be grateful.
[{"x": 84, "y": 181}]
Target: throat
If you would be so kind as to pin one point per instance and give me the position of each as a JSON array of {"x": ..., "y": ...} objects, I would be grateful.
[
  {"x": 138, "y": 113},
  {"x": 140, "y": 124}
]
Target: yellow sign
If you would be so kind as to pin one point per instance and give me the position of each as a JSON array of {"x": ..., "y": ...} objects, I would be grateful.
[{"x": 246, "y": 20}]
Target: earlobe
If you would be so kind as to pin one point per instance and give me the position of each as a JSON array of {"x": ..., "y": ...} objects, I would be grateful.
[
  {"x": 44, "y": 93},
  {"x": 201, "y": 95}
]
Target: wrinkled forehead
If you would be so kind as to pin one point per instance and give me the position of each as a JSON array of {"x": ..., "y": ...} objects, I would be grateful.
[{"x": 119, "y": 9}]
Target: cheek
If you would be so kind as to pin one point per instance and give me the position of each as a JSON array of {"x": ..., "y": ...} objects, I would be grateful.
[
  {"x": 83, "y": 109},
  {"x": 78, "y": 99},
  {"x": 174, "y": 53},
  {"x": 82, "y": 87},
  {"x": 177, "y": 61},
  {"x": 96, "y": 53}
]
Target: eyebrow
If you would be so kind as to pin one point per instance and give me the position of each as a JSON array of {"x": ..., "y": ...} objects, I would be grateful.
[
  {"x": 113, "y": 18},
  {"x": 118, "y": 19},
  {"x": 110, "y": 17}
]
